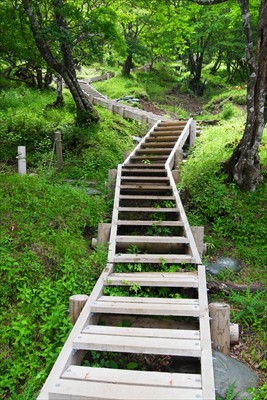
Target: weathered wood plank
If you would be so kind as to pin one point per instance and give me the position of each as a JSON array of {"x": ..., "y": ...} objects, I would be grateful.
[
  {"x": 206, "y": 354},
  {"x": 149, "y": 209},
  {"x": 154, "y": 279},
  {"x": 154, "y": 258},
  {"x": 152, "y": 239},
  {"x": 139, "y": 345},
  {"x": 142, "y": 332},
  {"x": 69, "y": 389},
  {"x": 150, "y": 223},
  {"x": 147, "y": 378}
]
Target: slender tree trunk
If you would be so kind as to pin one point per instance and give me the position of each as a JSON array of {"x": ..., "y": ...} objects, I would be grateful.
[
  {"x": 128, "y": 65},
  {"x": 244, "y": 164},
  {"x": 47, "y": 78},
  {"x": 64, "y": 66}
]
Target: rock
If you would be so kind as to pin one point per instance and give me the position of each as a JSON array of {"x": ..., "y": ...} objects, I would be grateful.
[
  {"x": 223, "y": 264},
  {"x": 227, "y": 372},
  {"x": 136, "y": 139}
]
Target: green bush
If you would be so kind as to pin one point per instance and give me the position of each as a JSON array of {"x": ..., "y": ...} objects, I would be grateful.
[{"x": 44, "y": 259}]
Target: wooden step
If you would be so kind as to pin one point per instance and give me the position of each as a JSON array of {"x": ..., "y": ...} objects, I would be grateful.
[
  {"x": 148, "y": 209},
  {"x": 157, "y": 166},
  {"x": 149, "y": 223},
  {"x": 72, "y": 389},
  {"x": 137, "y": 344},
  {"x": 154, "y": 279},
  {"x": 147, "y": 378},
  {"x": 146, "y": 197},
  {"x": 148, "y": 158},
  {"x": 146, "y": 306},
  {"x": 146, "y": 187},
  {"x": 143, "y": 172},
  {"x": 164, "y": 138},
  {"x": 152, "y": 239},
  {"x": 154, "y": 258},
  {"x": 158, "y": 144},
  {"x": 154, "y": 150},
  {"x": 169, "y": 128},
  {"x": 172, "y": 123},
  {"x": 146, "y": 178}
]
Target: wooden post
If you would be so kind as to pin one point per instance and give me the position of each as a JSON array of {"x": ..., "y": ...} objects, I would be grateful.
[
  {"x": 234, "y": 333},
  {"x": 112, "y": 176},
  {"x": 198, "y": 233},
  {"x": 59, "y": 150},
  {"x": 220, "y": 327},
  {"x": 76, "y": 304},
  {"x": 178, "y": 158},
  {"x": 103, "y": 233},
  {"x": 176, "y": 173},
  {"x": 193, "y": 133},
  {"x": 22, "y": 167}
]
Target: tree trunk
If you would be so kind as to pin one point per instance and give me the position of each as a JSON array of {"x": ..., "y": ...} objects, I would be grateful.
[
  {"x": 47, "y": 78},
  {"x": 86, "y": 113},
  {"x": 128, "y": 65},
  {"x": 244, "y": 164},
  {"x": 64, "y": 65}
]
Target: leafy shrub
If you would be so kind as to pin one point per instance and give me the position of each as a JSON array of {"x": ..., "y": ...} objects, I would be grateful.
[{"x": 44, "y": 259}]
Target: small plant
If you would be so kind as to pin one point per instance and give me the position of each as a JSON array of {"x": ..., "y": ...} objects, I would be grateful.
[
  {"x": 146, "y": 161},
  {"x": 133, "y": 249}
]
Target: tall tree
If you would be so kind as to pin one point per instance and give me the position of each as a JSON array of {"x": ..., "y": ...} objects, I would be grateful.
[
  {"x": 58, "y": 52},
  {"x": 244, "y": 164}
]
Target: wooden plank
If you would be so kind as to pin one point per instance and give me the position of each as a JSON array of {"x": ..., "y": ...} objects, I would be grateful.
[
  {"x": 153, "y": 150},
  {"x": 115, "y": 213},
  {"x": 149, "y": 223},
  {"x": 139, "y": 345},
  {"x": 206, "y": 354},
  {"x": 157, "y": 144},
  {"x": 149, "y": 209},
  {"x": 154, "y": 258},
  {"x": 164, "y": 138},
  {"x": 143, "y": 165},
  {"x": 145, "y": 178},
  {"x": 146, "y": 186},
  {"x": 69, "y": 389},
  {"x": 146, "y": 378},
  {"x": 142, "y": 332},
  {"x": 145, "y": 197},
  {"x": 146, "y": 308},
  {"x": 152, "y": 239},
  {"x": 148, "y": 300},
  {"x": 154, "y": 279},
  {"x": 147, "y": 171}
]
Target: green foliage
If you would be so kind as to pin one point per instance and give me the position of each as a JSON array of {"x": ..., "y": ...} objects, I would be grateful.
[
  {"x": 250, "y": 308},
  {"x": 235, "y": 221},
  {"x": 44, "y": 259}
]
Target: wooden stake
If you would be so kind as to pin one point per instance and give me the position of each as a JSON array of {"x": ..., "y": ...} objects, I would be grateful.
[
  {"x": 22, "y": 168},
  {"x": 76, "y": 304},
  {"x": 59, "y": 150},
  {"x": 220, "y": 327}
]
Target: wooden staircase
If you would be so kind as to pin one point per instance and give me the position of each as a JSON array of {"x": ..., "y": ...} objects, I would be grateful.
[{"x": 149, "y": 232}]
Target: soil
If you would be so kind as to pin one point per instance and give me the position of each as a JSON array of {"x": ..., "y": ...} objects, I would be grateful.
[{"x": 191, "y": 104}]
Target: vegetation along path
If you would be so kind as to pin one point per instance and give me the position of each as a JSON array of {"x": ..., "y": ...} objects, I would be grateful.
[{"x": 153, "y": 270}]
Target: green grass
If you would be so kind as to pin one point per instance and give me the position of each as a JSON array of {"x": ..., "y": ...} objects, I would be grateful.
[
  {"x": 44, "y": 259},
  {"x": 235, "y": 221}
]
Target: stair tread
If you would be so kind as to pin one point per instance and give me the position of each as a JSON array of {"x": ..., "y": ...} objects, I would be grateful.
[
  {"x": 151, "y": 239},
  {"x": 137, "y": 344},
  {"x": 149, "y": 209},
  {"x": 71, "y": 389},
  {"x": 154, "y": 258},
  {"x": 146, "y": 197},
  {"x": 146, "y": 306},
  {"x": 150, "y": 378},
  {"x": 145, "y": 178},
  {"x": 149, "y": 223},
  {"x": 155, "y": 279}
]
